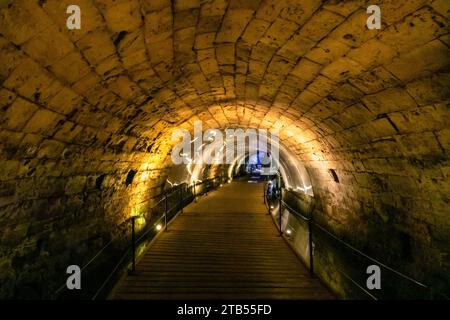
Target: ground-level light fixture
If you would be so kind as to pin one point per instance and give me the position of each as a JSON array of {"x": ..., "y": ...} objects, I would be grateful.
[
  {"x": 158, "y": 227},
  {"x": 289, "y": 231}
]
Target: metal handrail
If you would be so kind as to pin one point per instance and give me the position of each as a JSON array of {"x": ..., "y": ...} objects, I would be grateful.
[
  {"x": 355, "y": 249},
  {"x": 165, "y": 195},
  {"x": 372, "y": 259},
  {"x": 296, "y": 212},
  {"x": 356, "y": 284},
  {"x": 346, "y": 244},
  {"x": 56, "y": 293},
  {"x": 307, "y": 219},
  {"x": 341, "y": 241},
  {"x": 148, "y": 230},
  {"x": 133, "y": 247}
]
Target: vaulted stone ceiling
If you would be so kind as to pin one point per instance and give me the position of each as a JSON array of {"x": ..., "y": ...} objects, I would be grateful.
[{"x": 97, "y": 102}]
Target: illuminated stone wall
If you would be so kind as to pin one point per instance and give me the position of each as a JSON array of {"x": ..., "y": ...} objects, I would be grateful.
[{"x": 81, "y": 108}]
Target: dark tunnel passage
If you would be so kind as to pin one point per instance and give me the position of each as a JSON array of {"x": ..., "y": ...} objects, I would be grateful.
[{"x": 88, "y": 116}]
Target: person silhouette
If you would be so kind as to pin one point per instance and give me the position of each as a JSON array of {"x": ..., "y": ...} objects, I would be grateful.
[{"x": 270, "y": 193}]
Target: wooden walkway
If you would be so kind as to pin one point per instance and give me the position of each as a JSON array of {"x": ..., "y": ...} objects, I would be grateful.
[{"x": 224, "y": 246}]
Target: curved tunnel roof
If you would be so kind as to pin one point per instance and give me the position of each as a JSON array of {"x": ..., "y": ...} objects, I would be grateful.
[{"x": 370, "y": 104}]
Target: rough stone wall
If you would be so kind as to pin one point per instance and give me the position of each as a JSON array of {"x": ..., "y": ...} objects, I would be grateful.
[{"x": 80, "y": 105}]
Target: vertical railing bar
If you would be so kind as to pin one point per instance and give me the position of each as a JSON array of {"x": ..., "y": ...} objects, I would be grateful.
[
  {"x": 281, "y": 209},
  {"x": 165, "y": 214},
  {"x": 133, "y": 244},
  {"x": 280, "y": 206},
  {"x": 181, "y": 198},
  {"x": 311, "y": 253},
  {"x": 195, "y": 196}
]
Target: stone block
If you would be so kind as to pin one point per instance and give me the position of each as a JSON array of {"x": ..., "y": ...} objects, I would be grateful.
[
  {"x": 233, "y": 24},
  {"x": 341, "y": 69},
  {"x": 254, "y": 31},
  {"x": 18, "y": 114},
  {"x": 225, "y": 54},
  {"x": 75, "y": 185},
  {"x": 123, "y": 16},
  {"x": 414, "y": 31},
  {"x": 389, "y": 100},
  {"x": 22, "y": 21},
  {"x": 426, "y": 59},
  {"x": 46, "y": 50},
  {"x": 43, "y": 122},
  {"x": 321, "y": 23}
]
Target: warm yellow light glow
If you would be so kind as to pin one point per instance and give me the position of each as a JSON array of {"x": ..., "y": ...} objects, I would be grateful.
[
  {"x": 140, "y": 222},
  {"x": 158, "y": 227},
  {"x": 305, "y": 189},
  {"x": 315, "y": 157}
]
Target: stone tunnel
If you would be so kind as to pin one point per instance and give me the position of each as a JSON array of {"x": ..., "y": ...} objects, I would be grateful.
[{"x": 88, "y": 114}]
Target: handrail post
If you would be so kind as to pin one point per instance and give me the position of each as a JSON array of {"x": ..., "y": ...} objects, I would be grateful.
[
  {"x": 133, "y": 244},
  {"x": 311, "y": 253},
  {"x": 165, "y": 214},
  {"x": 264, "y": 193},
  {"x": 265, "y": 198},
  {"x": 181, "y": 198},
  {"x": 281, "y": 210},
  {"x": 195, "y": 195}
]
